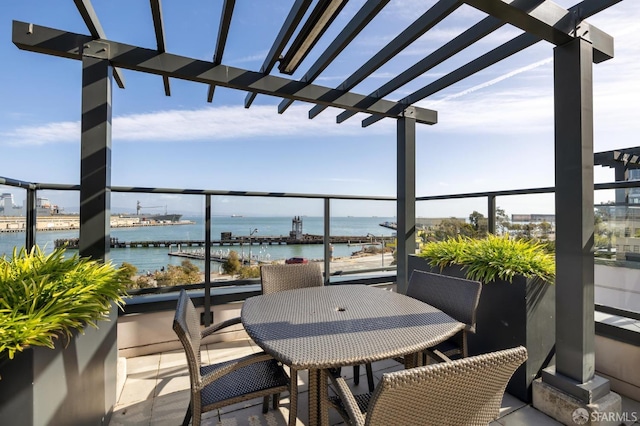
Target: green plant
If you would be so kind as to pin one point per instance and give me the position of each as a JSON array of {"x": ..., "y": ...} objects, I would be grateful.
[
  {"x": 43, "y": 297},
  {"x": 247, "y": 272},
  {"x": 493, "y": 257},
  {"x": 186, "y": 273},
  {"x": 232, "y": 265}
]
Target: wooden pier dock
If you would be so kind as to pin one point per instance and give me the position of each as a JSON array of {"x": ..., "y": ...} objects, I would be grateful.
[{"x": 234, "y": 241}]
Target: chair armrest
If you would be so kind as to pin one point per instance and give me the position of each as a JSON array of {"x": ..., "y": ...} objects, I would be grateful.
[
  {"x": 348, "y": 401},
  {"x": 217, "y": 327},
  {"x": 230, "y": 366}
]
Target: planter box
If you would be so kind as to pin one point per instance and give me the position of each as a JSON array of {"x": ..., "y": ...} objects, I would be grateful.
[
  {"x": 69, "y": 385},
  {"x": 511, "y": 314}
]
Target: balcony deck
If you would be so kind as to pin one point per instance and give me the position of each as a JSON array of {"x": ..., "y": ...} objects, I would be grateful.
[{"x": 156, "y": 393}]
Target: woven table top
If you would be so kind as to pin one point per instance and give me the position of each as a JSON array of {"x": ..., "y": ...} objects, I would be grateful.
[{"x": 335, "y": 326}]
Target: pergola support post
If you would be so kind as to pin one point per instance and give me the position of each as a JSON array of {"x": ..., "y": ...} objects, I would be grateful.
[
  {"x": 95, "y": 159},
  {"x": 406, "y": 189},
  {"x": 574, "y": 372}
]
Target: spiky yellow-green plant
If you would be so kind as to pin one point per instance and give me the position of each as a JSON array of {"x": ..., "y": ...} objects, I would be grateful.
[
  {"x": 43, "y": 297},
  {"x": 493, "y": 257}
]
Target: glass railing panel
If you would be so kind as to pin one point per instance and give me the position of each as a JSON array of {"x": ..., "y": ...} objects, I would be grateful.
[
  {"x": 617, "y": 250},
  {"x": 363, "y": 235},
  {"x": 527, "y": 216},
  {"x": 146, "y": 228},
  {"x": 12, "y": 219},
  {"x": 57, "y": 218},
  {"x": 438, "y": 220},
  {"x": 259, "y": 230}
]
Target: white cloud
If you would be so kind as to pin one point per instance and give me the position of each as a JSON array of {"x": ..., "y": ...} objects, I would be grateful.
[{"x": 207, "y": 124}]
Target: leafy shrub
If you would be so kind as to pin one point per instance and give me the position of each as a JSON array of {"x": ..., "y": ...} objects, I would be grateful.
[
  {"x": 246, "y": 272},
  {"x": 43, "y": 297},
  {"x": 493, "y": 257},
  {"x": 186, "y": 273},
  {"x": 232, "y": 265}
]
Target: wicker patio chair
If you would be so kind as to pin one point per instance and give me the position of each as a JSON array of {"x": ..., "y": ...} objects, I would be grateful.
[
  {"x": 466, "y": 391},
  {"x": 281, "y": 277},
  {"x": 218, "y": 385},
  {"x": 458, "y": 298}
]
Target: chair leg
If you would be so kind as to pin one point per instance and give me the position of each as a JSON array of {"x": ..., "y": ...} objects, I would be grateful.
[
  {"x": 276, "y": 401},
  {"x": 356, "y": 375},
  {"x": 187, "y": 416},
  {"x": 265, "y": 404},
  {"x": 369, "y": 376},
  {"x": 293, "y": 397}
]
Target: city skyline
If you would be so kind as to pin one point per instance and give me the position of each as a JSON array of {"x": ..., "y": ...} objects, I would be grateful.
[{"x": 495, "y": 130}]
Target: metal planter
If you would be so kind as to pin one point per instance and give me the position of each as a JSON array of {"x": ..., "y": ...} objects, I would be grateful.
[{"x": 72, "y": 384}]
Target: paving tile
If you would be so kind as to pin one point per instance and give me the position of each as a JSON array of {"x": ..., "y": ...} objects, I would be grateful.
[
  {"x": 136, "y": 414},
  {"x": 169, "y": 385},
  {"x": 527, "y": 416},
  {"x": 169, "y": 409},
  {"x": 225, "y": 351},
  {"x": 143, "y": 366},
  {"x": 510, "y": 404},
  {"x": 172, "y": 359},
  {"x": 631, "y": 411},
  {"x": 136, "y": 390},
  {"x": 251, "y": 415},
  {"x": 156, "y": 393}
]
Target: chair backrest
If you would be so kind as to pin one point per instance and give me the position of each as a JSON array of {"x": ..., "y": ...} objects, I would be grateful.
[
  {"x": 288, "y": 277},
  {"x": 457, "y": 297},
  {"x": 467, "y": 391},
  {"x": 186, "y": 324}
]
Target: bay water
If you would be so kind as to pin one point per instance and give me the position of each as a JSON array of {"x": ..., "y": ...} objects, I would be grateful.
[{"x": 154, "y": 258}]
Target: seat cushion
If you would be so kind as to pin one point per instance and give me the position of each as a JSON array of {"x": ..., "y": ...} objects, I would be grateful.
[{"x": 239, "y": 385}]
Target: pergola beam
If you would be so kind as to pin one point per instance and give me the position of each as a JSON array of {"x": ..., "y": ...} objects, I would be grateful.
[
  {"x": 66, "y": 44},
  {"x": 360, "y": 20},
  {"x": 587, "y": 8},
  {"x": 462, "y": 41},
  {"x": 158, "y": 27},
  {"x": 294, "y": 17},
  {"x": 549, "y": 22},
  {"x": 420, "y": 26},
  {"x": 223, "y": 31},
  {"x": 93, "y": 25}
]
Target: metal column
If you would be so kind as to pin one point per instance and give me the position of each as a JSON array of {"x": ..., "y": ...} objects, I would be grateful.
[
  {"x": 328, "y": 251},
  {"x": 491, "y": 214},
  {"x": 575, "y": 327},
  {"x": 208, "y": 315},
  {"x": 95, "y": 162},
  {"x": 31, "y": 219},
  {"x": 406, "y": 188}
]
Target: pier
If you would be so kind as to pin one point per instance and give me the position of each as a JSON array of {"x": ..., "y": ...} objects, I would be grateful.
[
  {"x": 199, "y": 255},
  {"x": 234, "y": 241}
]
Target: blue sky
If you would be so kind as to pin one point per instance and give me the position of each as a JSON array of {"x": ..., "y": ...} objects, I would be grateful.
[{"x": 495, "y": 129}]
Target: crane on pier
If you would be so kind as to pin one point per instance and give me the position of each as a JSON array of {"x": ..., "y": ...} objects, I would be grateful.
[{"x": 139, "y": 207}]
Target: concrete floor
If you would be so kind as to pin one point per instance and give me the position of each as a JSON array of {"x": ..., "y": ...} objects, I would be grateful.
[{"x": 156, "y": 392}]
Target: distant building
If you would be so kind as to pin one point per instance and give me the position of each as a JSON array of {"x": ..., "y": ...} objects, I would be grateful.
[
  {"x": 533, "y": 218},
  {"x": 634, "y": 193},
  {"x": 8, "y": 206}
]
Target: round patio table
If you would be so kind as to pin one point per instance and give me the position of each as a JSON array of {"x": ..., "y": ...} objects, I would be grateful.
[{"x": 335, "y": 326}]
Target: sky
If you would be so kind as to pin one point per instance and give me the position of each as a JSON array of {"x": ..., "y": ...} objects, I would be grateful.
[{"x": 494, "y": 130}]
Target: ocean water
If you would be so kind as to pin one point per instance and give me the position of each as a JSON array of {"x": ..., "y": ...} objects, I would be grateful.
[{"x": 151, "y": 259}]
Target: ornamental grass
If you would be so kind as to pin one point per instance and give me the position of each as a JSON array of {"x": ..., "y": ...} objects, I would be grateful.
[
  {"x": 491, "y": 258},
  {"x": 43, "y": 297}
]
